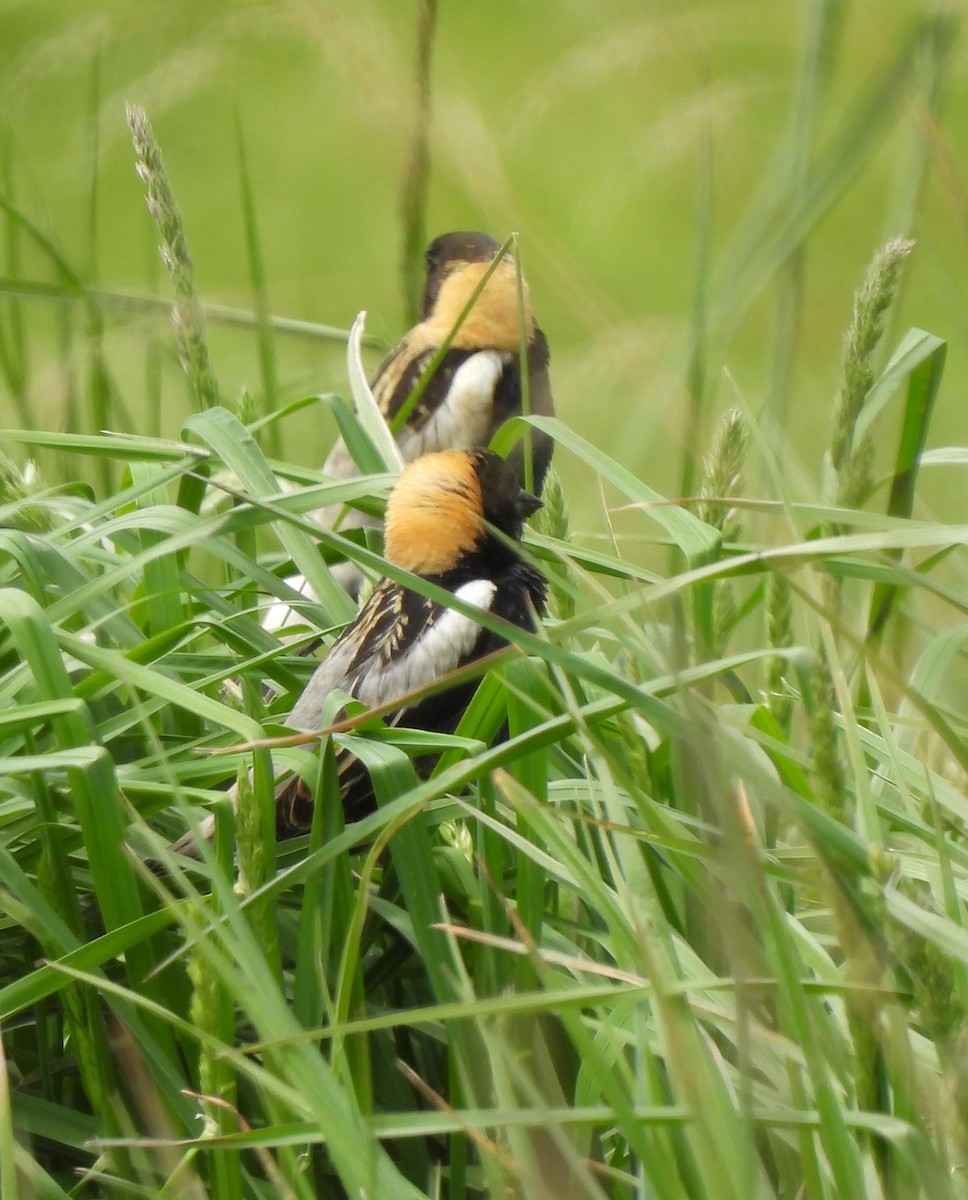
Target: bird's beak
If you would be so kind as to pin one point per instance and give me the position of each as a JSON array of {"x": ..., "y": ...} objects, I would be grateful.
[{"x": 527, "y": 504}]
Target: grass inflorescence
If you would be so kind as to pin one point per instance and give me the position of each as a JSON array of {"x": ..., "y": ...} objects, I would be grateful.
[{"x": 186, "y": 313}]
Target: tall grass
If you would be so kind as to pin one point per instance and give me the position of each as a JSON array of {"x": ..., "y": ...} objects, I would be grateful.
[
  {"x": 694, "y": 929},
  {"x": 661, "y": 941}
]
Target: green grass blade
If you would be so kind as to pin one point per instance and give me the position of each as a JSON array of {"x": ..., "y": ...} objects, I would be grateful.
[
  {"x": 924, "y": 381},
  {"x": 236, "y": 447},
  {"x": 367, "y": 411},
  {"x": 257, "y": 275}
]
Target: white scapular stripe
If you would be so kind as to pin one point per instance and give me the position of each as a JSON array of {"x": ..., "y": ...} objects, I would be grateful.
[
  {"x": 437, "y": 651},
  {"x": 279, "y": 614},
  {"x": 463, "y": 419}
]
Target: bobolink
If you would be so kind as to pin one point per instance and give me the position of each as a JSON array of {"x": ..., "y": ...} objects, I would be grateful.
[
  {"x": 452, "y": 518},
  {"x": 438, "y": 521},
  {"x": 476, "y": 386}
]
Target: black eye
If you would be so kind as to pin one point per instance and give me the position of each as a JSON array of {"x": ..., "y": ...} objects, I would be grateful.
[{"x": 435, "y": 256}]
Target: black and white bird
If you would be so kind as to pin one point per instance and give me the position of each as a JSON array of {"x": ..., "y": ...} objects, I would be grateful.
[
  {"x": 454, "y": 518},
  {"x": 477, "y": 385}
]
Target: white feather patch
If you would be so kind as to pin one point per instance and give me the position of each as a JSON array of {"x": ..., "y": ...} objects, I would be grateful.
[
  {"x": 279, "y": 615},
  {"x": 463, "y": 419},
  {"x": 438, "y": 650}
]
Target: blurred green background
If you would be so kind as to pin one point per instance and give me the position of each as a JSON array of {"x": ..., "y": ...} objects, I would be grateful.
[{"x": 697, "y": 188}]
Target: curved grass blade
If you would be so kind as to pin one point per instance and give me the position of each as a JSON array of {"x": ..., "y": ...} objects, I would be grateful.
[
  {"x": 694, "y": 537},
  {"x": 367, "y": 410},
  {"x": 237, "y": 448}
]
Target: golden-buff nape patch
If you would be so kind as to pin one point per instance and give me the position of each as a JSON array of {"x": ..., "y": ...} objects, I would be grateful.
[
  {"x": 434, "y": 514},
  {"x": 495, "y": 319}
]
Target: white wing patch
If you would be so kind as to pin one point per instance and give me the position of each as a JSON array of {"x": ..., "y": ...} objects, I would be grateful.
[
  {"x": 463, "y": 420},
  {"x": 279, "y": 615},
  {"x": 438, "y": 650}
]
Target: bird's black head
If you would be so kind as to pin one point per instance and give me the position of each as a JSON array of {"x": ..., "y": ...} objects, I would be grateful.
[
  {"x": 447, "y": 252},
  {"x": 506, "y": 504}
]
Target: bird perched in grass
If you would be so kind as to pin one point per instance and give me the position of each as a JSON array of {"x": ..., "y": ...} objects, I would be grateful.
[
  {"x": 454, "y": 518},
  {"x": 477, "y": 384}
]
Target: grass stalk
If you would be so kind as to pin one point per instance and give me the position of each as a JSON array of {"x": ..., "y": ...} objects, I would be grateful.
[
  {"x": 186, "y": 311},
  {"x": 416, "y": 178}
]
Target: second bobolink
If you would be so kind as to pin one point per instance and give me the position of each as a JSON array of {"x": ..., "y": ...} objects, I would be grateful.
[{"x": 453, "y": 518}]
